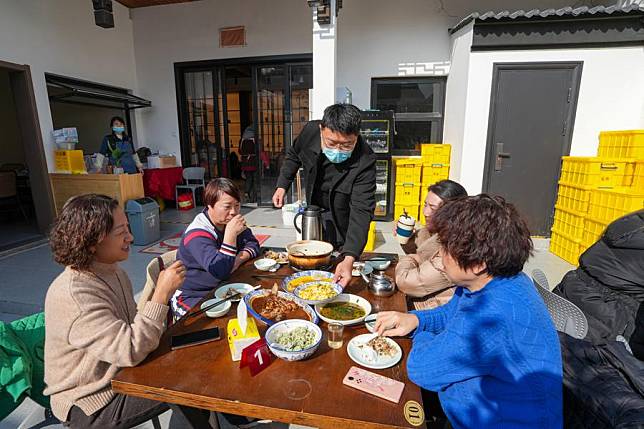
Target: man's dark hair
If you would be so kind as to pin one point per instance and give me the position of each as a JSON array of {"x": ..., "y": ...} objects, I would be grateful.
[
  {"x": 217, "y": 187},
  {"x": 82, "y": 223},
  {"x": 448, "y": 190},
  {"x": 483, "y": 229},
  {"x": 342, "y": 118}
]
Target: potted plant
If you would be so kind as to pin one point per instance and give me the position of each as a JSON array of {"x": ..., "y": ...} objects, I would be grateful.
[{"x": 117, "y": 155}]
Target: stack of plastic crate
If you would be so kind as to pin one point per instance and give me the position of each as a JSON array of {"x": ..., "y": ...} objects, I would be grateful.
[
  {"x": 436, "y": 160},
  {"x": 594, "y": 191},
  {"x": 407, "y": 196}
]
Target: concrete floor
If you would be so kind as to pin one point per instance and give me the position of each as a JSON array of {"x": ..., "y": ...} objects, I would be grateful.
[{"x": 26, "y": 275}]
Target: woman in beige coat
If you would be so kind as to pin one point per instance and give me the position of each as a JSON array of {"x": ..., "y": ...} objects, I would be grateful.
[{"x": 418, "y": 273}]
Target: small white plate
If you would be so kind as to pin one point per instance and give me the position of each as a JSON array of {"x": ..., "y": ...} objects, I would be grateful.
[
  {"x": 370, "y": 322},
  {"x": 358, "y": 356},
  {"x": 218, "y": 311},
  {"x": 368, "y": 269},
  {"x": 244, "y": 288}
]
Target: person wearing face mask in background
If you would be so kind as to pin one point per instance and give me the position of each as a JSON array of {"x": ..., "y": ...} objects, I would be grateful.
[
  {"x": 118, "y": 142},
  {"x": 340, "y": 174}
]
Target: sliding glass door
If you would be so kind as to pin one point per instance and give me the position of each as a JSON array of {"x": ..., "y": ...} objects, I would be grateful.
[{"x": 223, "y": 104}]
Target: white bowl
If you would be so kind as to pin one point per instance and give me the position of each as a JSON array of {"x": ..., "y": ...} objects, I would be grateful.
[
  {"x": 346, "y": 297},
  {"x": 379, "y": 264},
  {"x": 370, "y": 322},
  {"x": 244, "y": 288},
  {"x": 265, "y": 264},
  {"x": 217, "y": 311},
  {"x": 286, "y": 325}
]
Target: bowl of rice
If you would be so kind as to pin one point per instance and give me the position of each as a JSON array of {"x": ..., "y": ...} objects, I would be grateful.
[{"x": 294, "y": 339}]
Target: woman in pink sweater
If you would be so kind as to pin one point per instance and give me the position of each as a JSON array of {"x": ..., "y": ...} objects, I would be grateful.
[{"x": 92, "y": 328}]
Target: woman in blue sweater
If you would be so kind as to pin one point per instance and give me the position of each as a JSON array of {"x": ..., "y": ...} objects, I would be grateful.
[
  {"x": 213, "y": 246},
  {"x": 491, "y": 353}
]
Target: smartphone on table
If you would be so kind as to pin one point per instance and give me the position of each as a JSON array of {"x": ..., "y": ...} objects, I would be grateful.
[
  {"x": 375, "y": 384},
  {"x": 194, "y": 338}
]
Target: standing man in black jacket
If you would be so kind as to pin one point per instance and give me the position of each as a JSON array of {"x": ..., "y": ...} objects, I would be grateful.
[{"x": 340, "y": 177}]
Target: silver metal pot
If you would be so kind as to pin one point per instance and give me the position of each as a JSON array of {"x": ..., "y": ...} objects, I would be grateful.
[{"x": 381, "y": 284}]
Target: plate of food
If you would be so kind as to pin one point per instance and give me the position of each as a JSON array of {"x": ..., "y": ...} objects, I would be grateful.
[
  {"x": 346, "y": 309},
  {"x": 270, "y": 308},
  {"x": 279, "y": 257},
  {"x": 232, "y": 288},
  {"x": 293, "y": 340},
  {"x": 290, "y": 283},
  {"x": 360, "y": 268},
  {"x": 373, "y": 351},
  {"x": 318, "y": 292}
]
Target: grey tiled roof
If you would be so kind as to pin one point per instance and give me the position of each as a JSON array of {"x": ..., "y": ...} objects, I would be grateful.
[{"x": 568, "y": 11}]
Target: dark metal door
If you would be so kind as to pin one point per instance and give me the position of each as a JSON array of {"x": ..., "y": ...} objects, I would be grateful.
[{"x": 531, "y": 118}]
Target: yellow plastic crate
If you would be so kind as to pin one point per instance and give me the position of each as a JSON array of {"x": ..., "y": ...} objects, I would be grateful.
[
  {"x": 606, "y": 205},
  {"x": 569, "y": 223},
  {"x": 638, "y": 178},
  {"x": 593, "y": 230},
  {"x": 371, "y": 238},
  {"x": 567, "y": 248},
  {"x": 411, "y": 209},
  {"x": 408, "y": 170},
  {"x": 622, "y": 144},
  {"x": 575, "y": 198},
  {"x": 69, "y": 161},
  {"x": 407, "y": 193},
  {"x": 597, "y": 171},
  {"x": 436, "y": 153},
  {"x": 433, "y": 173}
]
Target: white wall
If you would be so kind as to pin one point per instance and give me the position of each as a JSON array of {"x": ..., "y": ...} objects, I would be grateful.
[
  {"x": 380, "y": 38},
  {"x": 167, "y": 34},
  {"x": 456, "y": 96},
  {"x": 60, "y": 37},
  {"x": 611, "y": 97}
]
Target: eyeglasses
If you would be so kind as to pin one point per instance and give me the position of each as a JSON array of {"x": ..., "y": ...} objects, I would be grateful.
[{"x": 345, "y": 146}]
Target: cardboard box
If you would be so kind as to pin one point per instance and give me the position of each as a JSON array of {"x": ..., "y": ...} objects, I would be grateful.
[
  {"x": 162, "y": 161},
  {"x": 237, "y": 340}
]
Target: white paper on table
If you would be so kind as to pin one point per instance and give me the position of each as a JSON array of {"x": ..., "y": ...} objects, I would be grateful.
[{"x": 242, "y": 315}]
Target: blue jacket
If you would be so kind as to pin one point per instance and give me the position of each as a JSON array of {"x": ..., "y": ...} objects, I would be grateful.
[
  {"x": 208, "y": 261},
  {"x": 493, "y": 357}
]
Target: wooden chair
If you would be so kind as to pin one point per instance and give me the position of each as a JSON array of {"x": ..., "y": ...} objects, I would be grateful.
[{"x": 153, "y": 270}]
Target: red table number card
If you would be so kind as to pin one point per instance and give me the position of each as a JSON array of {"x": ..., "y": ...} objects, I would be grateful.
[{"x": 256, "y": 356}]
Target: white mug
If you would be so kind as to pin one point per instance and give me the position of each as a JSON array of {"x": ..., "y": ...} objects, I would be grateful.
[{"x": 405, "y": 228}]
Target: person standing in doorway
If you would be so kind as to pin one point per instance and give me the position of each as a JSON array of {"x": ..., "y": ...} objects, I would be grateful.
[
  {"x": 340, "y": 176},
  {"x": 248, "y": 152},
  {"x": 119, "y": 148}
]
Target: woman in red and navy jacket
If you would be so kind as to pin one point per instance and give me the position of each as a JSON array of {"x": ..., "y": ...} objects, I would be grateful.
[{"x": 214, "y": 245}]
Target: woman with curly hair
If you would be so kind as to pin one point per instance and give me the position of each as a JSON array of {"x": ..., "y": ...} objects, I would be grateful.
[
  {"x": 92, "y": 327},
  {"x": 492, "y": 352}
]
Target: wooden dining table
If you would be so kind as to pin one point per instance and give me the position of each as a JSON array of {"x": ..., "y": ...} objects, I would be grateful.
[{"x": 308, "y": 392}]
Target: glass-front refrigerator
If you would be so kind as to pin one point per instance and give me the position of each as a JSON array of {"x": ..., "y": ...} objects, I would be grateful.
[{"x": 377, "y": 130}]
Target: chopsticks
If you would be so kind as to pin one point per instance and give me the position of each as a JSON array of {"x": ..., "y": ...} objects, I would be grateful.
[
  {"x": 215, "y": 304},
  {"x": 269, "y": 276}
]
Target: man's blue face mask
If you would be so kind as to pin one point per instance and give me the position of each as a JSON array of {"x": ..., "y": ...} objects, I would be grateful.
[
  {"x": 336, "y": 156},
  {"x": 118, "y": 129}
]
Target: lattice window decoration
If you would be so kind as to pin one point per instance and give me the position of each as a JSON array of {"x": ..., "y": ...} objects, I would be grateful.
[{"x": 232, "y": 37}]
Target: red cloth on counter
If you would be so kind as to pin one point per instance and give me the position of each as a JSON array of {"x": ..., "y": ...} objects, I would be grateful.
[{"x": 161, "y": 182}]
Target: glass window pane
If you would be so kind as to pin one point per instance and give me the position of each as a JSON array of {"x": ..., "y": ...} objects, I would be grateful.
[
  {"x": 409, "y": 135},
  {"x": 407, "y": 97}
]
